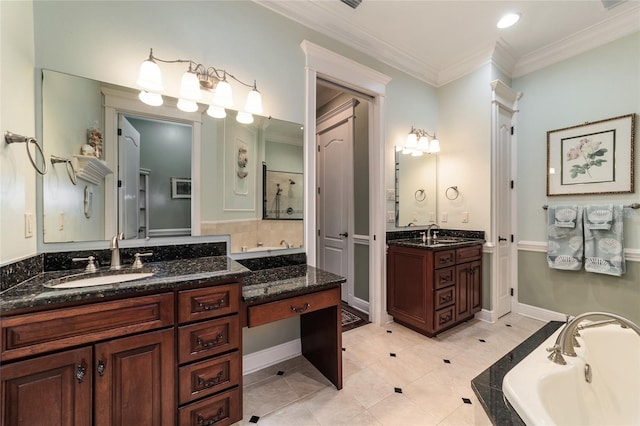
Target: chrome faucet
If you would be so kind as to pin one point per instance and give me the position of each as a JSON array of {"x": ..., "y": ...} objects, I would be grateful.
[
  {"x": 435, "y": 235},
  {"x": 285, "y": 243},
  {"x": 115, "y": 251},
  {"x": 566, "y": 342}
]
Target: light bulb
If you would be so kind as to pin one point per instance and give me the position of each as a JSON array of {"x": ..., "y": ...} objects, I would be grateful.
[
  {"x": 223, "y": 96},
  {"x": 150, "y": 98},
  {"x": 244, "y": 117},
  {"x": 434, "y": 146},
  {"x": 254, "y": 102},
  {"x": 149, "y": 77},
  {"x": 412, "y": 139},
  {"x": 216, "y": 112},
  {"x": 190, "y": 87},
  {"x": 508, "y": 20},
  {"x": 187, "y": 105}
]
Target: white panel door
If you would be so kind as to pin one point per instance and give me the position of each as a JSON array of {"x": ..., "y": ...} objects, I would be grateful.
[
  {"x": 335, "y": 188},
  {"x": 129, "y": 177},
  {"x": 503, "y": 277}
]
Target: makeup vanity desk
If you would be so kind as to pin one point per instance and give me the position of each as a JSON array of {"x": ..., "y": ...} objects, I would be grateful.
[{"x": 312, "y": 294}]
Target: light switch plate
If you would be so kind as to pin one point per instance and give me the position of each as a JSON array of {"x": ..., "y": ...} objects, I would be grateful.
[
  {"x": 28, "y": 225},
  {"x": 444, "y": 217},
  {"x": 391, "y": 217},
  {"x": 391, "y": 194},
  {"x": 464, "y": 217}
]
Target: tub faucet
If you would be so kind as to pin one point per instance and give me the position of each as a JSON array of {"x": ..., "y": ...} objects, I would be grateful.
[
  {"x": 115, "y": 251},
  {"x": 565, "y": 344},
  {"x": 285, "y": 244}
]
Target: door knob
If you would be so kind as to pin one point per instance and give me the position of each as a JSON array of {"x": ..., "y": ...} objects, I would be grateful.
[
  {"x": 501, "y": 239},
  {"x": 344, "y": 234}
]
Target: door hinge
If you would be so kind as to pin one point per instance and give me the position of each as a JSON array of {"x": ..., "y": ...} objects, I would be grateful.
[
  {"x": 512, "y": 184},
  {"x": 119, "y": 132},
  {"x": 511, "y": 291},
  {"x": 318, "y": 232},
  {"x": 318, "y": 148},
  {"x": 119, "y": 183},
  {"x": 318, "y": 190},
  {"x": 511, "y": 237},
  {"x": 512, "y": 129}
]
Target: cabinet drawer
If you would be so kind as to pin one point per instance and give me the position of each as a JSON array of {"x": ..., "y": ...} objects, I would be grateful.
[
  {"x": 444, "y": 277},
  {"x": 208, "y": 377},
  {"x": 281, "y": 309},
  {"x": 444, "y": 317},
  {"x": 219, "y": 410},
  {"x": 467, "y": 254},
  {"x": 208, "y": 338},
  {"x": 444, "y": 258},
  {"x": 210, "y": 302},
  {"x": 31, "y": 334},
  {"x": 444, "y": 297}
]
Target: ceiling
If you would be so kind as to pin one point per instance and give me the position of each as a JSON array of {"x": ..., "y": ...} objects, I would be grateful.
[{"x": 440, "y": 41}]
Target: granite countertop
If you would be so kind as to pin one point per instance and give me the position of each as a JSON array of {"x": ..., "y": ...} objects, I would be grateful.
[
  {"x": 274, "y": 283},
  {"x": 488, "y": 385},
  {"x": 443, "y": 243},
  {"x": 172, "y": 274}
]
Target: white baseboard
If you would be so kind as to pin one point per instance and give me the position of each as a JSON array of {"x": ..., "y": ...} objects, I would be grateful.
[
  {"x": 361, "y": 305},
  {"x": 486, "y": 316},
  {"x": 267, "y": 357},
  {"x": 538, "y": 313}
]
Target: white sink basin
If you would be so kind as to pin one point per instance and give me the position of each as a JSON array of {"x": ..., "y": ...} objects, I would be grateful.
[{"x": 101, "y": 280}]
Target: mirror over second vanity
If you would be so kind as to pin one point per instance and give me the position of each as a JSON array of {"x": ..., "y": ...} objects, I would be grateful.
[
  {"x": 152, "y": 172},
  {"x": 416, "y": 197}
]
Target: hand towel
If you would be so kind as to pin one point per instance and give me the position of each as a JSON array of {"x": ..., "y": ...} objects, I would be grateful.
[
  {"x": 604, "y": 248},
  {"x": 565, "y": 216},
  {"x": 599, "y": 216},
  {"x": 564, "y": 245}
]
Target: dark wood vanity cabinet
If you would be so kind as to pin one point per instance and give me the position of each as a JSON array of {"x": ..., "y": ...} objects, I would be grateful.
[
  {"x": 431, "y": 291},
  {"x": 124, "y": 362}
]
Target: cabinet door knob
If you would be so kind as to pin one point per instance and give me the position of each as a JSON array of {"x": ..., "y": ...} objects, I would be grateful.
[
  {"x": 101, "y": 367},
  {"x": 81, "y": 370}
]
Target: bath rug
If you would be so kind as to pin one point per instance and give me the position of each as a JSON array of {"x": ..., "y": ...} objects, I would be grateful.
[{"x": 352, "y": 318}]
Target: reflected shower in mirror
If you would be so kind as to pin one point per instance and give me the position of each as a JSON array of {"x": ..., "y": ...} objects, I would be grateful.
[{"x": 416, "y": 198}]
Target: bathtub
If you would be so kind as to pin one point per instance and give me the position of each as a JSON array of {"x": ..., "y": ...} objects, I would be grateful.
[{"x": 545, "y": 393}]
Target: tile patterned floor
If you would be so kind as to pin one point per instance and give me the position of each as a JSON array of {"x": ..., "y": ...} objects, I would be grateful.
[{"x": 392, "y": 377}]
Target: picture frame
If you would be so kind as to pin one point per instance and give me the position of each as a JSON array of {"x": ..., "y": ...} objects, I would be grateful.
[
  {"x": 180, "y": 187},
  {"x": 592, "y": 158}
]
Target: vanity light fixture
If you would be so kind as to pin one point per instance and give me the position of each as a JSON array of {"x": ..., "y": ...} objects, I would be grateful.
[
  {"x": 195, "y": 80},
  {"x": 418, "y": 143}
]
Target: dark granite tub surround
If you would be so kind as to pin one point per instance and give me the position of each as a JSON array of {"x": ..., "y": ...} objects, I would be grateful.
[
  {"x": 167, "y": 275},
  {"x": 63, "y": 260},
  {"x": 17, "y": 272},
  {"x": 488, "y": 385},
  {"x": 272, "y": 283}
]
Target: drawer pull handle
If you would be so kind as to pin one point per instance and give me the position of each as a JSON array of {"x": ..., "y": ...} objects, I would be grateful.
[
  {"x": 212, "y": 382},
  {"x": 446, "y": 259},
  {"x": 81, "y": 370},
  {"x": 211, "y": 343},
  {"x": 444, "y": 299},
  {"x": 215, "y": 306},
  {"x": 101, "y": 367},
  {"x": 445, "y": 318},
  {"x": 300, "y": 310},
  {"x": 211, "y": 420},
  {"x": 445, "y": 279}
]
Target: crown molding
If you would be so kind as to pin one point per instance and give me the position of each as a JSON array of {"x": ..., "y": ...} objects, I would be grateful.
[{"x": 604, "y": 32}]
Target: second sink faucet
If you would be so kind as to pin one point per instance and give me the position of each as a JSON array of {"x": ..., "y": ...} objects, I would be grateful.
[
  {"x": 285, "y": 243},
  {"x": 115, "y": 251},
  {"x": 435, "y": 232}
]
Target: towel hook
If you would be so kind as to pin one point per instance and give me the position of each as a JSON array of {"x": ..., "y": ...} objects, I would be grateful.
[
  {"x": 71, "y": 171},
  {"x": 15, "y": 138},
  {"x": 454, "y": 193}
]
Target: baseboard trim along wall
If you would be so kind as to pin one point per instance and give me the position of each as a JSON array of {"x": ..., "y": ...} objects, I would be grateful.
[
  {"x": 361, "y": 305},
  {"x": 539, "y": 313},
  {"x": 267, "y": 357}
]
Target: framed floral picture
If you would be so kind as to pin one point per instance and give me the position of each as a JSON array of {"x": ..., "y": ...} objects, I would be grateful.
[{"x": 592, "y": 158}]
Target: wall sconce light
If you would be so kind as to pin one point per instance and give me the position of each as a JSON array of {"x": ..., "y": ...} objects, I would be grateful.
[
  {"x": 418, "y": 143},
  {"x": 196, "y": 79}
]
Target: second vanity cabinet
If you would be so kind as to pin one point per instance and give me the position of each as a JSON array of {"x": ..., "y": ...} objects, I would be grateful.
[
  {"x": 433, "y": 290},
  {"x": 160, "y": 359}
]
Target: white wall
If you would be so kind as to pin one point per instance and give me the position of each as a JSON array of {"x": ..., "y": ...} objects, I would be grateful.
[{"x": 17, "y": 110}]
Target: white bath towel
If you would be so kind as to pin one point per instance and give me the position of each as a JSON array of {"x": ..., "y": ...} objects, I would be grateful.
[
  {"x": 604, "y": 248},
  {"x": 565, "y": 248}
]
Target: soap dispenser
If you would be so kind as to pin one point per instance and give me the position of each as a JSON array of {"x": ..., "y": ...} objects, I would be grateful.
[{"x": 424, "y": 237}]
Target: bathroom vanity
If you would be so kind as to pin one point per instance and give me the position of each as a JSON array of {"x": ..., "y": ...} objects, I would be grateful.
[
  {"x": 162, "y": 350},
  {"x": 433, "y": 287}
]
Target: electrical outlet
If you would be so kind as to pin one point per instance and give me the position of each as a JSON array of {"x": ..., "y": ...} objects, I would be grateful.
[
  {"x": 444, "y": 217},
  {"x": 464, "y": 217},
  {"x": 414, "y": 216},
  {"x": 391, "y": 194},
  {"x": 28, "y": 225},
  {"x": 432, "y": 217},
  {"x": 391, "y": 217},
  {"x": 61, "y": 221}
]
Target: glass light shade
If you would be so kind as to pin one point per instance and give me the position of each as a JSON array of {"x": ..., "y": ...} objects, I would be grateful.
[
  {"x": 190, "y": 87},
  {"x": 412, "y": 140},
  {"x": 244, "y": 117},
  {"x": 406, "y": 150},
  {"x": 423, "y": 143},
  {"x": 254, "y": 102},
  {"x": 149, "y": 77},
  {"x": 187, "y": 105},
  {"x": 399, "y": 148},
  {"x": 223, "y": 96},
  {"x": 434, "y": 146},
  {"x": 416, "y": 153},
  {"x": 216, "y": 112},
  {"x": 150, "y": 98}
]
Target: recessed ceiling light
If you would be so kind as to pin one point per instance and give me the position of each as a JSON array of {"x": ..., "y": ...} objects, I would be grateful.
[{"x": 508, "y": 20}]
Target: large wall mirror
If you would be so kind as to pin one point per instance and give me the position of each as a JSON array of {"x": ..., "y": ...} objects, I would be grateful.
[
  {"x": 416, "y": 198},
  {"x": 119, "y": 166}
]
